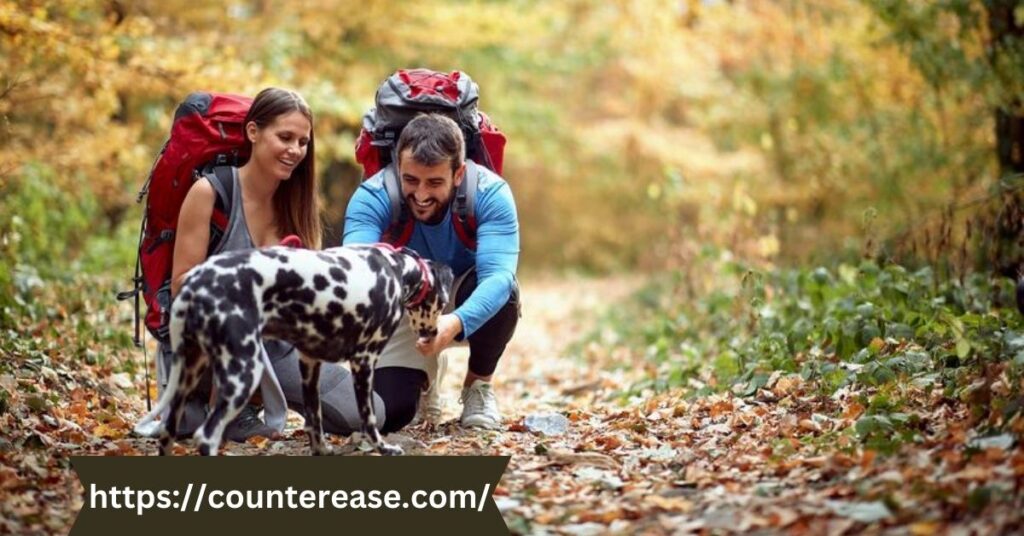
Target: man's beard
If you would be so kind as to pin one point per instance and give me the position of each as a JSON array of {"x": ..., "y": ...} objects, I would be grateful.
[{"x": 439, "y": 206}]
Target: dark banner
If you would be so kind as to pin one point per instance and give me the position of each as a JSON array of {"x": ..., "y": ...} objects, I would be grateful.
[{"x": 283, "y": 495}]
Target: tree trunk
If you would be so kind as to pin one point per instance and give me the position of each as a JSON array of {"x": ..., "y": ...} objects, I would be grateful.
[{"x": 1004, "y": 28}]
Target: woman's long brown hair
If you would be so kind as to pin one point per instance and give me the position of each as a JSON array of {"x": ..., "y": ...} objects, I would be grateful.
[{"x": 297, "y": 200}]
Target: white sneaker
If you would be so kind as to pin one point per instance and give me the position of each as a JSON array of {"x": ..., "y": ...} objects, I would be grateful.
[
  {"x": 431, "y": 406},
  {"x": 480, "y": 407}
]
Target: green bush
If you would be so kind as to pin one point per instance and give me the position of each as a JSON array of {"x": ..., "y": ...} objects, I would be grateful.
[
  {"x": 865, "y": 326},
  {"x": 48, "y": 235}
]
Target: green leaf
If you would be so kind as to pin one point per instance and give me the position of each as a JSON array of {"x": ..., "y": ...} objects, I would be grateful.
[{"x": 963, "y": 348}]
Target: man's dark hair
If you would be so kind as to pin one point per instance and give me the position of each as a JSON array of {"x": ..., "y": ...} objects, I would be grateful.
[{"x": 433, "y": 139}]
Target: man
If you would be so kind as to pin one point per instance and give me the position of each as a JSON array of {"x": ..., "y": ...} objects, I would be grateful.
[{"x": 485, "y": 305}]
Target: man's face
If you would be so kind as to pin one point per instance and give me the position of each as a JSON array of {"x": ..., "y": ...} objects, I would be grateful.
[{"x": 428, "y": 190}]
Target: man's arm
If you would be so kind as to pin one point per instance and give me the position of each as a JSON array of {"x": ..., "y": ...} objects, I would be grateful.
[
  {"x": 497, "y": 256},
  {"x": 367, "y": 216}
]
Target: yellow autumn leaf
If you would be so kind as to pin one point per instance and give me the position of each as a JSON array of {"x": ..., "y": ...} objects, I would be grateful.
[{"x": 106, "y": 431}]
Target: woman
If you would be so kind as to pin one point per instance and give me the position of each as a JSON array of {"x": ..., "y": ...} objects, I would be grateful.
[{"x": 274, "y": 196}]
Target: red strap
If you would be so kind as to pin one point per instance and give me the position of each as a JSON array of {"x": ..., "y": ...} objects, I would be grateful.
[
  {"x": 399, "y": 234},
  {"x": 424, "y": 285},
  {"x": 462, "y": 231},
  {"x": 406, "y": 235},
  {"x": 219, "y": 219},
  {"x": 292, "y": 241}
]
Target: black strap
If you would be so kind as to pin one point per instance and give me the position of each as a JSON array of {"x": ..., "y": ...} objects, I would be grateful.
[
  {"x": 394, "y": 190},
  {"x": 465, "y": 196}
]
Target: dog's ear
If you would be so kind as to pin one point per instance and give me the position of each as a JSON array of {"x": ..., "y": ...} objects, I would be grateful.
[
  {"x": 405, "y": 250},
  {"x": 443, "y": 276}
]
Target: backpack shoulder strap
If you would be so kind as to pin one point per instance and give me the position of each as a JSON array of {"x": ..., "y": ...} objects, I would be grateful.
[
  {"x": 465, "y": 197},
  {"x": 399, "y": 230},
  {"x": 222, "y": 178},
  {"x": 464, "y": 206},
  {"x": 394, "y": 190}
]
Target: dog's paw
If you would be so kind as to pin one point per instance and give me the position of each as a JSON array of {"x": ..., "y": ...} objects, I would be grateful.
[{"x": 390, "y": 450}]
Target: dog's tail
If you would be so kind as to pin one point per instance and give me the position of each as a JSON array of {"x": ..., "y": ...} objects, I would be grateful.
[{"x": 149, "y": 426}]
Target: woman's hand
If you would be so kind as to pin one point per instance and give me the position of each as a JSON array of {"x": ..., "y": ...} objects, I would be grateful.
[{"x": 448, "y": 327}]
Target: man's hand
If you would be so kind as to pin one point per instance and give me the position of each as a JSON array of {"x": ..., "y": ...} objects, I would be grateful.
[{"x": 448, "y": 327}]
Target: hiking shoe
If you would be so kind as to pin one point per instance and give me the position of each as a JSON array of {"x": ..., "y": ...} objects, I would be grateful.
[
  {"x": 247, "y": 424},
  {"x": 431, "y": 406},
  {"x": 480, "y": 407}
]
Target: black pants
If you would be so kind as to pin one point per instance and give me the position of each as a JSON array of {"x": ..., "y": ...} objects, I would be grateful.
[
  {"x": 488, "y": 343},
  {"x": 400, "y": 387}
]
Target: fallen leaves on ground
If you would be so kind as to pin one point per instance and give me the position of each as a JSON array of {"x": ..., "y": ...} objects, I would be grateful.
[{"x": 785, "y": 459}]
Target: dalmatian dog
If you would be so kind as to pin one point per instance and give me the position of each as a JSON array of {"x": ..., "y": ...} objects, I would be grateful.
[{"x": 341, "y": 303}]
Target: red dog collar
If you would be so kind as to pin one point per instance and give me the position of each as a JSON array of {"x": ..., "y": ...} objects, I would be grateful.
[{"x": 425, "y": 285}]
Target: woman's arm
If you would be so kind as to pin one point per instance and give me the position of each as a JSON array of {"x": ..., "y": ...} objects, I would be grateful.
[{"x": 193, "y": 238}]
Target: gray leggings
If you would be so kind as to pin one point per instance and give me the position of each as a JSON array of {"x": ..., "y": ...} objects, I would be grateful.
[{"x": 399, "y": 386}]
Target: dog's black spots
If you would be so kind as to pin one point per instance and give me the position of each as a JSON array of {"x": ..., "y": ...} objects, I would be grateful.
[
  {"x": 412, "y": 281},
  {"x": 376, "y": 261},
  {"x": 246, "y": 377},
  {"x": 340, "y": 293},
  {"x": 376, "y": 347},
  {"x": 228, "y": 388},
  {"x": 271, "y": 254},
  {"x": 289, "y": 286},
  {"x": 298, "y": 310},
  {"x": 204, "y": 449},
  {"x": 233, "y": 259},
  {"x": 222, "y": 375},
  {"x": 319, "y": 282},
  {"x": 338, "y": 275},
  {"x": 235, "y": 367},
  {"x": 241, "y": 399}
]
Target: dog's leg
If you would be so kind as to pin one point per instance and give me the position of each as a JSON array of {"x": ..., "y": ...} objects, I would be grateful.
[
  {"x": 233, "y": 392},
  {"x": 170, "y": 429},
  {"x": 309, "y": 369},
  {"x": 362, "y": 377},
  {"x": 194, "y": 366}
]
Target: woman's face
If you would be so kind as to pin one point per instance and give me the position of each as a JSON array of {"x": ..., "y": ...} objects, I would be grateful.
[{"x": 280, "y": 146}]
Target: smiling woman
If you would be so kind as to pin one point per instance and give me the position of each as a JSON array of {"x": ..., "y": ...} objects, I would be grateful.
[
  {"x": 273, "y": 195},
  {"x": 278, "y": 184}
]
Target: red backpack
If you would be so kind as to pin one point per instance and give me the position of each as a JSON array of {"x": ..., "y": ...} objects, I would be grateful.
[
  {"x": 399, "y": 99},
  {"x": 206, "y": 136}
]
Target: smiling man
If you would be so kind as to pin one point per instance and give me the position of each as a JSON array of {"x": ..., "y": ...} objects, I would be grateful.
[{"x": 485, "y": 309}]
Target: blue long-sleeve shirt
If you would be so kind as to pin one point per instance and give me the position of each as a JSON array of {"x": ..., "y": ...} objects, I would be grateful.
[{"x": 497, "y": 253}]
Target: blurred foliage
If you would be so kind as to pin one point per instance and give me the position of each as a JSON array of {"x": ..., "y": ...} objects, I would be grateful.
[
  {"x": 782, "y": 130},
  {"x": 865, "y": 329}
]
